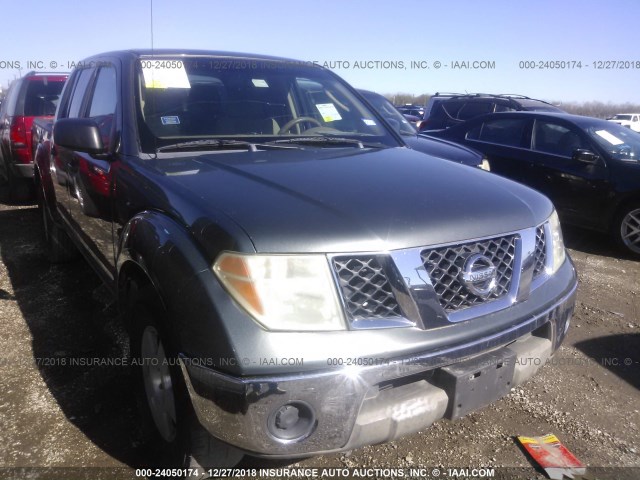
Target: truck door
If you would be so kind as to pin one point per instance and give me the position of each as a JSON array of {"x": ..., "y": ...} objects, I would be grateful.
[
  {"x": 579, "y": 190},
  {"x": 89, "y": 176},
  {"x": 71, "y": 107}
]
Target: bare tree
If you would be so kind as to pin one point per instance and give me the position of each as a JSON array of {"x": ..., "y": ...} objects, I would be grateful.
[
  {"x": 407, "y": 98},
  {"x": 598, "y": 109}
]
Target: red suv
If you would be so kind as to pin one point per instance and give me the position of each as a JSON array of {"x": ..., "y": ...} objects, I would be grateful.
[{"x": 29, "y": 97}]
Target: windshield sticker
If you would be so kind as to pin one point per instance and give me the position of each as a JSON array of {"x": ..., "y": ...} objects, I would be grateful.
[
  {"x": 158, "y": 76},
  {"x": 369, "y": 122},
  {"x": 172, "y": 120},
  {"x": 328, "y": 111},
  {"x": 260, "y": 83},
  {"x": 612, "y": 139}
]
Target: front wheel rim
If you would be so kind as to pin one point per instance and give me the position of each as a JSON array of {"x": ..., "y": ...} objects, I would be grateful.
[
  {"x": 157, "y": 384},
  {"x": 630, "y": 230}
]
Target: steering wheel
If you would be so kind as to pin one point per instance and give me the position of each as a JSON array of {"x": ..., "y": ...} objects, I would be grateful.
[{"x": 287, "y": 126}]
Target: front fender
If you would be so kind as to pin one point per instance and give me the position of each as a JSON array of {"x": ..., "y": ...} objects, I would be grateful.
[
  {"x": 43, "y": 179},
  {"x": 180, "y": 272}
]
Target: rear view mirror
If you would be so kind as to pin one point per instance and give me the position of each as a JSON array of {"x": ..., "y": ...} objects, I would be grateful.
[{"x": 586, "y": 156}]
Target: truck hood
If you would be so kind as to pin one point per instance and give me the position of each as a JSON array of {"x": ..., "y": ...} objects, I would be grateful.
[{"x": 351, "y": 200}]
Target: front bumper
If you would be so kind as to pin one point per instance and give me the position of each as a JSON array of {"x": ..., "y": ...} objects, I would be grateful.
[{"x": 373, "y": 401}]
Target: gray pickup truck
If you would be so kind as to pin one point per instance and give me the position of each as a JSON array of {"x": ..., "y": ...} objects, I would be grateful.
[{"x": 294, "y": 279}]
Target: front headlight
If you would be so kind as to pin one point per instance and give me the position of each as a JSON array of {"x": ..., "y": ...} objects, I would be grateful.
[
  {"x": 557, "y": 244},
  {"x": 283, "y": 292}
]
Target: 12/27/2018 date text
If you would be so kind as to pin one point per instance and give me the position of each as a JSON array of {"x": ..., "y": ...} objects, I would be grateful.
[{"x": 578, "y": 65}]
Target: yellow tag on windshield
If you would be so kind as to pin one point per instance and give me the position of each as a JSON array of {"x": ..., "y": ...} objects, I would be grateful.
[{"x": 164, "y": 74}]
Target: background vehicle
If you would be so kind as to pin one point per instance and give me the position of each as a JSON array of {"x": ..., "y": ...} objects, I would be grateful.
[
  {"x": 412, "y": 119},
  {"x": 590, "y": 168},
  {"x": 274, "y": 252},
  {"x": 413, "y": 110},
  {"x": 452, "y": 109},
  {"x": 435, "y": 147},
  {"x": 435, "y": 100},
  {"x": 629, "y": 120},
  {"x": 31, "y": 96}
]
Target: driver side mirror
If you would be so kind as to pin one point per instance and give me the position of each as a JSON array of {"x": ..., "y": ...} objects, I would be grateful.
[
  {"x": 585, "y": 156},
  {"x": 79, "y": 134}
]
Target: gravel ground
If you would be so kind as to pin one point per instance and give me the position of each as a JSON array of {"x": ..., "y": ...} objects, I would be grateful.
[{"x": 57, "y": 415}]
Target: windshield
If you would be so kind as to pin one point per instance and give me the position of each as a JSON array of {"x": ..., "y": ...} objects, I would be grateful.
[
  {"x": 390, "y": 113},
  {"x": 182, "y": 99},
  {"x": 621, "y": 116},
  {"x": 622, "y": 143}
]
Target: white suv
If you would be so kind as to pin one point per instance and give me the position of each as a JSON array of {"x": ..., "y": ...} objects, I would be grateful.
[{"x": 629, "y": 120}]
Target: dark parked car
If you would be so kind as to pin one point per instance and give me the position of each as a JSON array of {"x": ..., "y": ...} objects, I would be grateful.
[
  {"x": 454, "y": 109},
  {"x": 435, "y": 147},
  {"x": 412, "y": 119},
  {"x": 589, "y": 167},
  {"x": 31, "y": 96},
  {"x": 293, "y": 279},
  {"x": 413, "y": 110}
]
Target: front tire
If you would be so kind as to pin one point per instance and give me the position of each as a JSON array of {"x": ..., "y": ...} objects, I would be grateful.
[
  {"x": 58, "y": 245},
  {"x": 169, "y": 423},
  {"x": 627, "y": 229}
]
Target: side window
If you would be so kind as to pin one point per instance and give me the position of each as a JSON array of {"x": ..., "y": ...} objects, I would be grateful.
[
  {"x": 549, "y": 137},
  {"x": 78, "y": 94},
  {"x": 504, "y": 108},
  {"x": 103, "y": 102},
  {"x": 473, "y": 109},
  {"x": 503, "y": 131},
  {"x": 474, "y": 133},
  {"x": 450, "y": 109}
]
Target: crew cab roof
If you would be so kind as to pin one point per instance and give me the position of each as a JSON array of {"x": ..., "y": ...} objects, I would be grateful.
[{"x": 136, "y": 53}]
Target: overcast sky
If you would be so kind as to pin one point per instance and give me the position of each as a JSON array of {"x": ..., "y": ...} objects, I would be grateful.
[{"x": 386, "y": 46}]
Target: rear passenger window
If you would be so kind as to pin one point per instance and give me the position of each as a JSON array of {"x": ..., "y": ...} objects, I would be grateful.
[
  {"x": 503, "y": 131},
  {"x": 549, "y": 137},
  {"x": 473, "y": 109},
  {"x": 504, "y": 108},
  {"x": 450, "y": 109}
]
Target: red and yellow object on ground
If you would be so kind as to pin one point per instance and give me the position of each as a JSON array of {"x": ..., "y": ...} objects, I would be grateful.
[{"x": 552, "y": 456}]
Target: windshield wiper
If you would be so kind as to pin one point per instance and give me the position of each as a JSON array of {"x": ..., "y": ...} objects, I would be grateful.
[
  {"x": 221, "y": 144},
  {"x": 208, "y": 144},
  {"x": 324, "y": 141}
]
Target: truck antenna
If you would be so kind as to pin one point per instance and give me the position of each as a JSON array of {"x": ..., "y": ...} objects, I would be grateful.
[{"x": 151, "y": 14}]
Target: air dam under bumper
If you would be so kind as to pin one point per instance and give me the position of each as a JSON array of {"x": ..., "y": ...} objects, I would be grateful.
[{"x": 345, "y": 408}]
